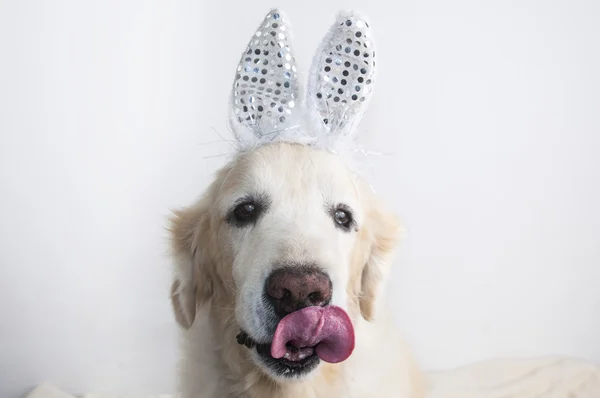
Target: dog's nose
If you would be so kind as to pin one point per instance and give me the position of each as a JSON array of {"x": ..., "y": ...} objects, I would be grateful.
[{"x": 291, "y": 289}]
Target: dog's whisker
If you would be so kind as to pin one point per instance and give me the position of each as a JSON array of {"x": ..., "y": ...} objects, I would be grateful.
[
  {"x": 223, "y": 308},
  {"x": 215, "y": 156},
  {"x": 233, "y": 289},
  {"x": 229, "y": 142},
  {"x": 230, "y": 317},
  {"x": 214, "y": 142}
]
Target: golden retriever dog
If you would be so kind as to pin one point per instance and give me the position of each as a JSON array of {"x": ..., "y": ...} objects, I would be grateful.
[
  {"x": 281, "y": 264},
  {"x": 285, "y": 209}
]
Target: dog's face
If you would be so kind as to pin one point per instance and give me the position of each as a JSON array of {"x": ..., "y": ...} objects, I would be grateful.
[{"x": 282, "y": 228}]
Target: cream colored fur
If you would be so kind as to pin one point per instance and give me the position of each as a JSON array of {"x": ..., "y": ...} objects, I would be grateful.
[{"x": 220, "y": 272}]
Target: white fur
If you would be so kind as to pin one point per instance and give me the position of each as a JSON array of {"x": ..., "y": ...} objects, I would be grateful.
[{"x": 300, "y": 184}]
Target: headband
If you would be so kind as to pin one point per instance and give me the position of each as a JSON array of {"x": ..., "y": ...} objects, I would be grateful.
[{"x": 267, "y": 100}]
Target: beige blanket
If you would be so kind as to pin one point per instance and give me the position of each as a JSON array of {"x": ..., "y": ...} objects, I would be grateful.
[{"x": 524, "y": 378}]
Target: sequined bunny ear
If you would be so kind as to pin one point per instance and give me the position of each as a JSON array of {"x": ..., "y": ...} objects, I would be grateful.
[
  {"x": 342, "y": 75},
  {"x": 265, "y": 89}
]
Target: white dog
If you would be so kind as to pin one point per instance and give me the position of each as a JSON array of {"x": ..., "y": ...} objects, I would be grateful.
[{"x": 280, "y": 265}]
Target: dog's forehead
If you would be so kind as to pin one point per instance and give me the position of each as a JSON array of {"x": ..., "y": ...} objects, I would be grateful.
[{"x": 288, "y": 171}]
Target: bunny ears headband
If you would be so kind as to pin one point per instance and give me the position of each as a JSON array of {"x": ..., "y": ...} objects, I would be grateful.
[{"x": 265, "y": 102}]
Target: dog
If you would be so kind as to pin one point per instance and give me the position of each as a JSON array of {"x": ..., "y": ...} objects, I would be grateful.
[
  {"x": 280, "y": 266},
  {"x": 285, "y": 215}
]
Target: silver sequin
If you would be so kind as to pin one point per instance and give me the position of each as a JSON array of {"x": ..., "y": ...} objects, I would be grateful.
[
  {"x": 341, "y": 73},
  {"x": 267, "y": 62}
]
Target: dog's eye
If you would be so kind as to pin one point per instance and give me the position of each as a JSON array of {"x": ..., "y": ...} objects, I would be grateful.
[
  {"x": 247, "y": 210},
  {"x": 343, "y": 218},
  {"x": 245, "y": 213}
]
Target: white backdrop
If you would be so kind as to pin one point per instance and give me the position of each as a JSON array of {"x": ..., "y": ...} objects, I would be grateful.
[{"x": 489, "y": 111}]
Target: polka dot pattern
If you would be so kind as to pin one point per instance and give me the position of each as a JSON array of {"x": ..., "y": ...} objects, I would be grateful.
[
  {"x": 343, "y": 73},
  {"x": 265, "y": 87}
]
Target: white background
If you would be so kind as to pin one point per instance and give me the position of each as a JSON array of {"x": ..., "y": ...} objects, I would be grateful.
[{"x": 489, "y": 111}]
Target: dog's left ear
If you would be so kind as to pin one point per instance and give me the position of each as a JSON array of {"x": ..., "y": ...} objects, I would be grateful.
[
  {"x": 193, "y": 276},
  {"x": 184, "y": 287},
  {"x": 383, "y": 229}
]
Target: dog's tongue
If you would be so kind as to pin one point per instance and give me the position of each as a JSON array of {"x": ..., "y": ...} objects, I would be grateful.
[{"x": 328, "y": 329}]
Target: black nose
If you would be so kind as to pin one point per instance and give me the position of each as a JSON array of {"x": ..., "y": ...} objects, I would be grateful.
[{"x": 290, "y": 289}]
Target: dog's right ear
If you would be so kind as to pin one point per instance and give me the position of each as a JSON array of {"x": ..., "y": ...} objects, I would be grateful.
[{"x": 192, "y": 283}]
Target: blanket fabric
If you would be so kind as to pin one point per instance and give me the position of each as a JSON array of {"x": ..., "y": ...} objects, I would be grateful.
[{"x": 524, "y": 378}]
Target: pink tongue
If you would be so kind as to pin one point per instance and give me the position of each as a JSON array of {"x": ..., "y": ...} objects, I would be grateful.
[{"x": 328, "y": 329}]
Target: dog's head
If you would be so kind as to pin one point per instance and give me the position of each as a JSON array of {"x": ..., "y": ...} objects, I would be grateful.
[
  {"x": 289, "y": 245},
  {"x": 282, "y": 228}
]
